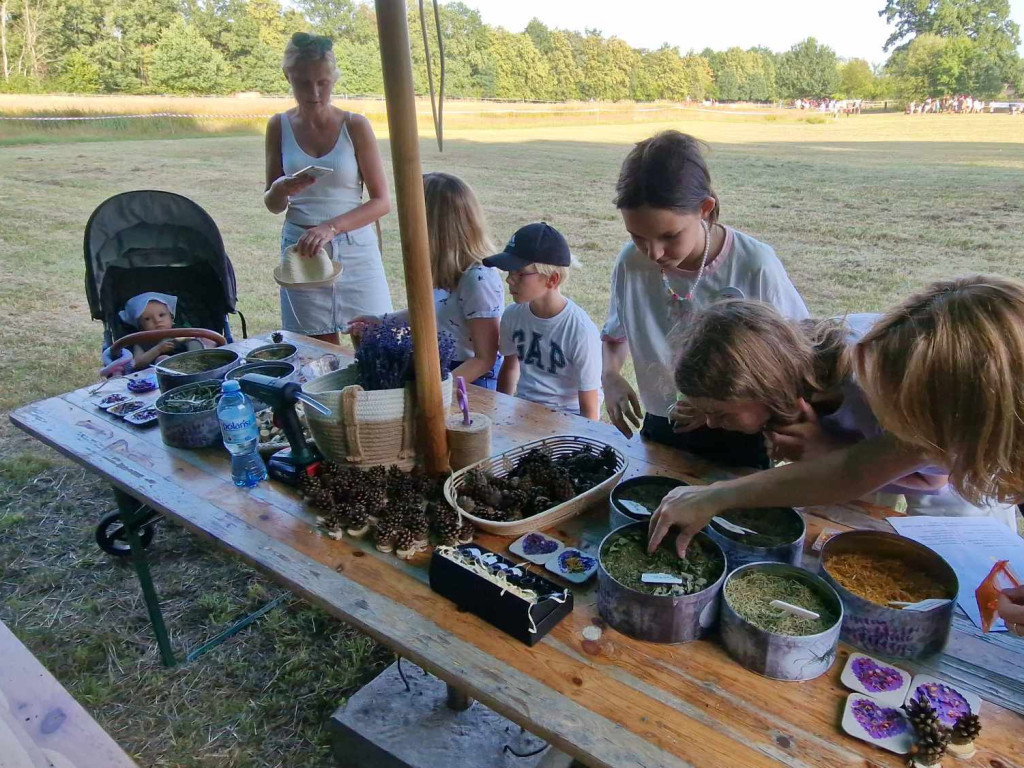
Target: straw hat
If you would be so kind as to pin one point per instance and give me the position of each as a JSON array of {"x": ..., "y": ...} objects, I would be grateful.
[{"x": 296, "y": 271}]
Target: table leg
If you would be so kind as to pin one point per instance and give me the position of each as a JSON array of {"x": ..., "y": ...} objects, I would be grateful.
[
  {"x": 141, "y": 563},
  {"x": 457, "y": 700}
]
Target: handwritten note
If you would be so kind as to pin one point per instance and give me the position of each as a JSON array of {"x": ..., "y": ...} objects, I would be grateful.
[{"x": 971, "y": 545}]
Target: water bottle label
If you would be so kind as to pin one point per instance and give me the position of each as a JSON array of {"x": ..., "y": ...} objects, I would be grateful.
[{"x": 239, "y": 430}]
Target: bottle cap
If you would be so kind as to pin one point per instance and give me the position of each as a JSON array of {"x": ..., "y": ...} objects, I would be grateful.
[{"x": 230, "y": 385}]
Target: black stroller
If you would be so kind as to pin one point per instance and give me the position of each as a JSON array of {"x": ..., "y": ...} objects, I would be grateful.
[{"x": 154, "y": 241}]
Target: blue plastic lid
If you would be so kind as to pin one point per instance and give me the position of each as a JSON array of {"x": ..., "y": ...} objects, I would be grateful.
[{"x": 230, "y": 385}]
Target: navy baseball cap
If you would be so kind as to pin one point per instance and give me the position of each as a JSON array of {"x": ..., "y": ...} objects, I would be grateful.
[{"x": 538, "y": 243}]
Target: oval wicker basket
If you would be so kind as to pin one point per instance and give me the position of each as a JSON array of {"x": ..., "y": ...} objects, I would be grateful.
[
  {"x": 366, "y": 427},
  {"x": 503, "y": 463}
]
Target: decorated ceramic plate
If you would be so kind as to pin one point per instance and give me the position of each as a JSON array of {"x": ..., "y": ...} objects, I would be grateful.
[
  {"x": 115, "y": 398},
  {"x": 948, "y": 701},
  {"x": 883, "y": 682},
  {"x": 872, "y": 721},
  {"x": 123, "y": 409},
  {"x": 572, "y": 565},
  {"x": 536, "y": 547},
  {"x": 143, "y": 417}
]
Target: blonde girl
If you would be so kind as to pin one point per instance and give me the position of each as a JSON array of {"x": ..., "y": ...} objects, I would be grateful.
[
  {"x": 941, "y": 374},
  {"x": 468, "y": 297}
]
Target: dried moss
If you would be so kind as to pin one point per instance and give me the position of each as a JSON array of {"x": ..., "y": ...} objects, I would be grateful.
[
  {"x": 751, "y": 594},
  {"x": 775, "y": 526},
  {"x": 626, "y": 558}
]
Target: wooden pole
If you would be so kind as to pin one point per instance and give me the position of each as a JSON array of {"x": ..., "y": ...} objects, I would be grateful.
[{"x": 396, "y": 62}]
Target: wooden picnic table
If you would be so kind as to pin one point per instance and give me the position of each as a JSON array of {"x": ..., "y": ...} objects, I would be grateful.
[
  {"x": 614, "y": 702},
  {"x": 41, "y": 725}
]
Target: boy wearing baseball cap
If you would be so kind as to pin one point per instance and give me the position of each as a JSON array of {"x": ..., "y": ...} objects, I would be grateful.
[{"x": 551, "y": 346}]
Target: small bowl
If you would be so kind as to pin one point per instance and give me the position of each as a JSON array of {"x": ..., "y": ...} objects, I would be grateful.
[
  {"x": 273, "y": 353},
  {"x": 215, "y": 363}
]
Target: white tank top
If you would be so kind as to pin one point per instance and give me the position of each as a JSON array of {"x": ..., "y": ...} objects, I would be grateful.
[{"x": 331, "y": 195}]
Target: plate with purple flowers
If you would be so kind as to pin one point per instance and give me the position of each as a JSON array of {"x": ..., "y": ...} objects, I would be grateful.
[
  {"x": 948, "y": 701},
  {"x": 536, "y": 547},
  {"x": 573, "y": 565},
  {"x": 877, "y": 723},
  {"x": 881, "y": 681}
]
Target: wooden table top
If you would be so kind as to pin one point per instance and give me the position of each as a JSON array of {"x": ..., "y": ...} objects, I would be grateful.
[
  {"x": 615, "y": 702},
  {"x": 41, "y": 725}
]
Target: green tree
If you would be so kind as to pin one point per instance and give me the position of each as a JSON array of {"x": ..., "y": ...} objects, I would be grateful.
[
  {"x": 184, "y": 62},
  {"x": 857, "y": 80},
  {"x": 520, "y": 70},
  {"x": 78, "y": 74},
  {"x": 469, "y": 64},
  {"x": 565, "y": 72},
  {"x": 537, "y": 31},
  {"x": 808, "y": 70},
  {"x": 743, "y": 75}
]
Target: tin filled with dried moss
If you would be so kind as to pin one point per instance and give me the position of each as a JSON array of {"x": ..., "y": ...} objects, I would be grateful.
[
  {"x": 680, "y": 605},
  {"x": 768, "y": 639},
  {"x": 778, "y": 536}
]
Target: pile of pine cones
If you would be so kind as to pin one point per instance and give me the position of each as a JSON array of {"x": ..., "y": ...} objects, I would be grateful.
[
  {"x": 404, "y": 508},
  {"x": 933, "y": 738},
  {"x": 536, "y": 484}
]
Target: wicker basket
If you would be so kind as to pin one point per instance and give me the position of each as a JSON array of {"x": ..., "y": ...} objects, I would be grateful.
[
  {"x": 503, "y": 463},
  {"x": 365, "y": 427}
]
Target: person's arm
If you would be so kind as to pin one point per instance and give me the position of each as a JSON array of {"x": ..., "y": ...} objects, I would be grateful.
[
  {"x": 279, "y": 187},
  {"x": 508, "y": 376},
  {"x": 143, "y": 359},
  {"x": 834, "y": 478},
  {"x": 590, "y": 404},
  {"x": 484, "y": 331},
  {"x": 620, "y": 399},
  {"x": 371, "y": 168}
]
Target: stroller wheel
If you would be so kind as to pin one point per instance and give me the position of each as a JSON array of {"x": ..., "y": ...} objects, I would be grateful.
[{"x": 112, "y": 537}]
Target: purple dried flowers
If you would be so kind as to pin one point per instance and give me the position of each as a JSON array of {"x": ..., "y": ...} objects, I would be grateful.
[
  {"x": 875, "y": 677},
  {"x": 948, "y": 703},
  {"x": 384, "y": 357},
  {"x": 879, "y": 722},
  {"x": 538, "y": 544}
]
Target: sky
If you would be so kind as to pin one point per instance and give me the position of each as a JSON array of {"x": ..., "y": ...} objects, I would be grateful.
[{"x": 852, "y": 28}]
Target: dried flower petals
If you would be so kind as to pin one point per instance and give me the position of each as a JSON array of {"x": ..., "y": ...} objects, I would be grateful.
[
  {"x": 876, "y": 678},
  {"x": 948, "y": 703},
  {"x": 879, "y": 722},
  {"x": 538, "y": 544}
]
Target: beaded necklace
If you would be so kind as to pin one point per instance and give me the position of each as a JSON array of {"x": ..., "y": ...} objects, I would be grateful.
[{"x": 700, "y": 273}]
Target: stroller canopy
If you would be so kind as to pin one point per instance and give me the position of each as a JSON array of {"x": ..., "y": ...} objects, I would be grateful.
[{"x": 157, "y": 241}]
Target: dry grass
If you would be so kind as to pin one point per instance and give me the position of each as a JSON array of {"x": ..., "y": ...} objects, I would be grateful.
[{"x": 861, "y": 210}]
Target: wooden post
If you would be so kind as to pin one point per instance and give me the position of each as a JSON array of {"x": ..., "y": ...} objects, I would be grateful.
[{"x": 396, "y": 62}]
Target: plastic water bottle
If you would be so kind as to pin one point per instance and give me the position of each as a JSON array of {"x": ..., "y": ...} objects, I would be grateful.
[{"x": 241, "y": 435}]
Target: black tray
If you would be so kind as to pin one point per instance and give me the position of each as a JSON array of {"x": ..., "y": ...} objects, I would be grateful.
[{"x": 508, "y": 612}]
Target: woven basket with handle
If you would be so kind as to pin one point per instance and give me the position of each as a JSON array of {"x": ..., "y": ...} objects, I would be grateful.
[
  {"x": 365, "y": 427},
  {"x": 503, "y": 463}
]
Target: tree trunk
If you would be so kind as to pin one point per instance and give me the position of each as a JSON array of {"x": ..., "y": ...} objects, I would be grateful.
[{"x": 3, "y": 39}]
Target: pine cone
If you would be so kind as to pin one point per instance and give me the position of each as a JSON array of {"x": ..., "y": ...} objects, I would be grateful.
[
  {"x": 514, "y": 500},
  {"x": 562, "y": 488},
  {"x": 536, "y": 505},
  {"x": 375, "y": 499},
  {"x": 405, "y": 544},
  {"x": 475, "y": 478},
  {"x": 322, "y": 499},
  {"x": 358, "y": 520},
  {"x": 922, "y": 715},
  {"x": 388, "y": 527},
  {"x": 417, "y": 524},
  {"x": 467, "y": 503},
  {"x": 308, "y": 485},
  {"x": 466, "y": 532},
  {"x": 966, "y": 729}
]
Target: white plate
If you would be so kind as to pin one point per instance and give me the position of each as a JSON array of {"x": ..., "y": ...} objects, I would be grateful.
[
  {"x": 516, "y": 548},
  {"x": 900, "y": 743},
  {"x": 111, "y": 399},
  {"x": 973, "y": 701},
  {"x": 894, "y": 698},
  {"x": 555, "y": 566}
]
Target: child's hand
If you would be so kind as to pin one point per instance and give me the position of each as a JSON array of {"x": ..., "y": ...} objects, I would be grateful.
[
  {"x": 688, "y": 508},
  {"x": 803, "y": 440},
  {"x": 684, "y": 417},
  {"x": 167, "y": 346},
  {"x": 622, "y": 403},
  {"x": 1011, "y": 610}
]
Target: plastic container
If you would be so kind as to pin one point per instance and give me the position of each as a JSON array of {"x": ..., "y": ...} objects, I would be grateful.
[
  {"x": 774, "y": 655},
  {"x": 657, "y": 618},
  {"x": 273, "y": 353},
  {"x": 882, "y": 629},
  {"x": 738, "y": 552},
  {"x": 241, "y": 435}
]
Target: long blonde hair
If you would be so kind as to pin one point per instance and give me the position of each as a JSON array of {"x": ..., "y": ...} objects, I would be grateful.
[
  {"x": 745, "y": 350},
  {"x": 944, "y": 371},
  {"x": 456, "y": 228}
]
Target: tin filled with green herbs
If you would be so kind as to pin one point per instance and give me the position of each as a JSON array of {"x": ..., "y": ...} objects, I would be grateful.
[
  {"x": 780, "y": 621},
  {"x": 658, "y": 596},
  {"x": 774, "y": 534}
]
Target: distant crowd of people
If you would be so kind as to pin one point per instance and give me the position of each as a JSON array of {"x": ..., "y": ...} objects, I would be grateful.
[
  {"x": 833, "y": 106},
  {"x": 960, "y": 105}
]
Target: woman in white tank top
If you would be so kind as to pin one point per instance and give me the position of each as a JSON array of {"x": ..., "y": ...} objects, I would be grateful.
[{"x": 328, "y": 212}]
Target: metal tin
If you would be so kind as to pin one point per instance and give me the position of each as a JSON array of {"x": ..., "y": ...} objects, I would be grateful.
[
  {"x": 656, "y": 618},
  {"x": 781, "y": 657},
  {"x": 276, "y": 370},
  {"x": 891, "y": 631},
  {"x": 188, "y": 430},
  {"x": 220, "y": 360},
  {"x": 618, "y": 514},
  {"x": 273, "y": 353},
  {"x": 737, "y": 553}
]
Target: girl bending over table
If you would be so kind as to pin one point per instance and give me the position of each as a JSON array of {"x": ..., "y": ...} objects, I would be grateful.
[
  {"x": 941, "y": 374},
  {"x": 681, "y": 260}
]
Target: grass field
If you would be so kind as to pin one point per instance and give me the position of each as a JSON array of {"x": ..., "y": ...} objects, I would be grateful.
[{"x": 861, "y": 210}]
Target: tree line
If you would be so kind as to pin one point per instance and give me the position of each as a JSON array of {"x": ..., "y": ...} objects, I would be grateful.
[{"x": 223, "y": 46}]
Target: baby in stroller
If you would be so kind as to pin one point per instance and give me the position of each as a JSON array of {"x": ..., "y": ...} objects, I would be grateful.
[{"x": 154, "y": 312}]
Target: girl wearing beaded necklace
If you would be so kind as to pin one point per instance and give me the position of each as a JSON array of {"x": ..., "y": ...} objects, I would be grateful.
[{"x": 680, "y": 260}]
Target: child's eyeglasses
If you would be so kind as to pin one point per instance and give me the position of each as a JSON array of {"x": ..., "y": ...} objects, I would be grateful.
[{"x": 519, "y": 274}]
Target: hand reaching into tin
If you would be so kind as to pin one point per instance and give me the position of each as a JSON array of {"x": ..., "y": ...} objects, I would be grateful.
[
  {"x": 688, "y": 508},
  {"x": 1011, "y": 610}
]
